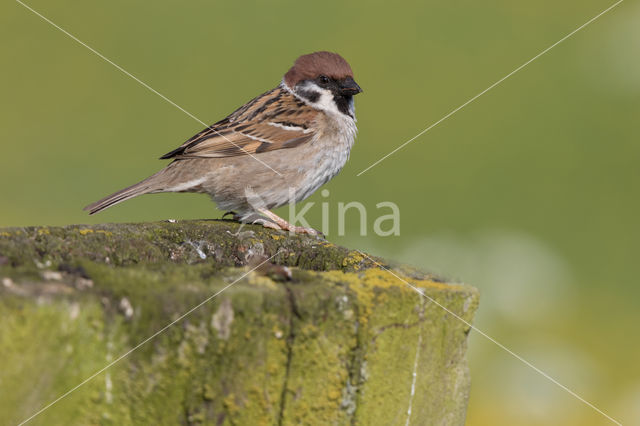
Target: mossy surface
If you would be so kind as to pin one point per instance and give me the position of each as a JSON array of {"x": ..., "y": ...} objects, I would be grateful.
[
  {"x": 342, "y": 342},
  {"x": 218, "y": 242}
]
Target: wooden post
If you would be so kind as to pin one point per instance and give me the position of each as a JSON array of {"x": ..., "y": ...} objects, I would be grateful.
[{"x": 343, "y": 341}]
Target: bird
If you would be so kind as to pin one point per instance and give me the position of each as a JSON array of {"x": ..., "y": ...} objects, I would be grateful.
[{"x": 276, "y": 149}]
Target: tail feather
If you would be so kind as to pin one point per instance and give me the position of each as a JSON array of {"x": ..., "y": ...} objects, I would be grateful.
[{"x": 144, "y": 187}]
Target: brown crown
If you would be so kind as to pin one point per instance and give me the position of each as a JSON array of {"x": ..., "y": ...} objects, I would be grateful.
[{"x": 313, "y": 65}]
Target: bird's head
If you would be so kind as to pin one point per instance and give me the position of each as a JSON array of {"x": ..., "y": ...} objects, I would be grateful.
[{"x": 324, "y": 80}]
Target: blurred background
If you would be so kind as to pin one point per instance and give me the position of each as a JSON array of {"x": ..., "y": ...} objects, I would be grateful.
[{"x": 530, "y": 193}]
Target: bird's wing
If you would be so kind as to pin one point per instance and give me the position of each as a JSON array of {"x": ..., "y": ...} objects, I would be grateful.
[{"x": 274, "y": 120}]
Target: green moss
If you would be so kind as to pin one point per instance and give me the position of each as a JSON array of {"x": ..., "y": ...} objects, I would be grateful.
[{"x": 221, "y": 242}]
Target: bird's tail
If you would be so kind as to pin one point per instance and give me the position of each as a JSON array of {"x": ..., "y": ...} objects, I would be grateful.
[{"x": 146, "y": 186}]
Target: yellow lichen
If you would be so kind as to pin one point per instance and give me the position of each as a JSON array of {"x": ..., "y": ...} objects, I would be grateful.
[
  {"x": 334, "y": 394},
  {"x": 230, "y": 403},
  {"x": 353, "y": 259},
  {"x": 85, "y": 231},
  {"x": 364, "y": 283}
]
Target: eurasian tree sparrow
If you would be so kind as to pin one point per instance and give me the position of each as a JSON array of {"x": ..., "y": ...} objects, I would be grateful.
[{"x": 277, "y": 149}]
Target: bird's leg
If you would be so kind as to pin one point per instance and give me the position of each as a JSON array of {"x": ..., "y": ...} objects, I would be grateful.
[{"x": 283, "y": 224}]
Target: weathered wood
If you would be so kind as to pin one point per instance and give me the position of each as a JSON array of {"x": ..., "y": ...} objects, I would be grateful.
[{"x": 342, "y": 342}]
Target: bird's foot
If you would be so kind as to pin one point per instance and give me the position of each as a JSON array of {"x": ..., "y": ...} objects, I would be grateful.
[
  {"x": 267, "y": 224},
  {"x": 302, "y": 230},
  {"x": 282, "y": 224}
]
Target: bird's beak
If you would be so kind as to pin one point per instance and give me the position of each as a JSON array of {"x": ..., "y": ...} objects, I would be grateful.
[{"x": 349, "y": 87}]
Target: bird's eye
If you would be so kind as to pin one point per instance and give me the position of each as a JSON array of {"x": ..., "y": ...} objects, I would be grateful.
[{"x": 324, "y": 79}]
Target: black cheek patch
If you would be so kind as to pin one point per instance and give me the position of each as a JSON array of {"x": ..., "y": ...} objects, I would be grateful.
[{"x": 310, "y": 95}]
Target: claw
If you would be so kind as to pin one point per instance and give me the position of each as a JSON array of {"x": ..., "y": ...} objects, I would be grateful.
[{"x": 234, "y": 214}]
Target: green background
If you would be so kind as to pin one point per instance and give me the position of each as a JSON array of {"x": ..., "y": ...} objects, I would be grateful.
[{"x": 529, "y": 193}]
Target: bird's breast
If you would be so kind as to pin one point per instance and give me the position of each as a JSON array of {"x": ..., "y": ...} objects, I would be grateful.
[{"x": 325, "y": 156}]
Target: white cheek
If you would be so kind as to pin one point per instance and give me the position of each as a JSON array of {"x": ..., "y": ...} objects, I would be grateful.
[{"x": 325, "y": 102}]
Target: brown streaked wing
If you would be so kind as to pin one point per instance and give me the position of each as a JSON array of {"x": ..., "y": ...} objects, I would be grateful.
[{"x": 274, "y": 120}]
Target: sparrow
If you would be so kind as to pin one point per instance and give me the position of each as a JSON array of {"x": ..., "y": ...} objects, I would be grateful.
[{"x": 277, "y": 149}]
